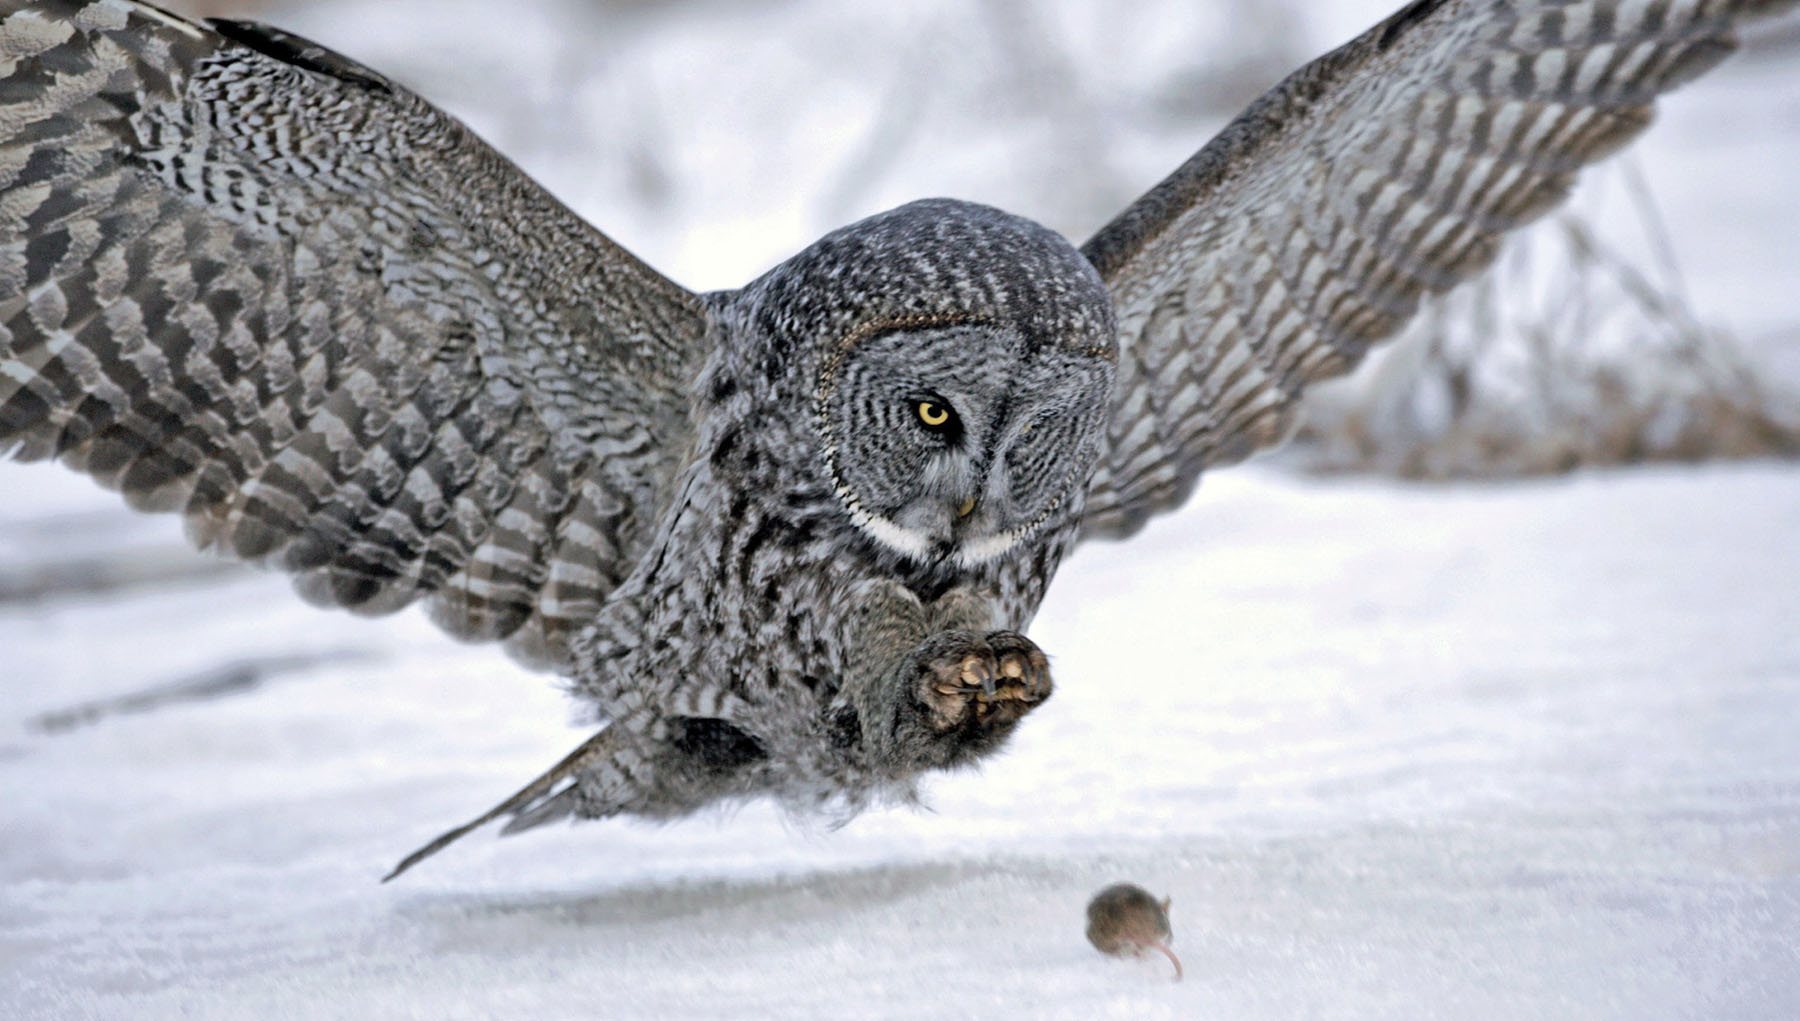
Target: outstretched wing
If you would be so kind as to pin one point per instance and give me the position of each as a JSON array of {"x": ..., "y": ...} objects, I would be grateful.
[
  {"x": 1312, "y": 225},
  {"x": 244, "y": 278}
]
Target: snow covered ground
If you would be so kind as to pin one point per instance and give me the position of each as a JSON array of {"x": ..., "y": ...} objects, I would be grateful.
[
  {"x": 1475, "y": 751},
  {"x": 1524, "y": 751}
]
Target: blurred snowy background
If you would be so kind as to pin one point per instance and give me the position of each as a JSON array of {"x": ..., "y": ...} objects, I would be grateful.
[{"x": 1395, "y": 749}]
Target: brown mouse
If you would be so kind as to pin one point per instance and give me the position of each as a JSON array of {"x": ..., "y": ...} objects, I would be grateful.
[{"x": 1126, "y": 921}]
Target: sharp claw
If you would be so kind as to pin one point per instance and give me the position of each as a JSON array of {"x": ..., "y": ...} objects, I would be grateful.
[
  {"x": 975, "y": 672},
  {"x": 984, "y": 688}
]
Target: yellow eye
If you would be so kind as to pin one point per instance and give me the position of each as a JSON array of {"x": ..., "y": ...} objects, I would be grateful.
[{"x": 933, "y": 414}]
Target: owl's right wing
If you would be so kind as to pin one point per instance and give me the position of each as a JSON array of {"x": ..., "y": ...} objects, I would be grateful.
[
  {"x": 247, "y": 279},
  {"x": 1311, "y": 227}
]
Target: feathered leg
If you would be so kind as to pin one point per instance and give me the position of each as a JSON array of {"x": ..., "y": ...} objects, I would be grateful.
[{"x": 936, "y": 686}]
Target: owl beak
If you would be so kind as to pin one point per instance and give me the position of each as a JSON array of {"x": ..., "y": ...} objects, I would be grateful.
[{"x": 967, "y": 508}]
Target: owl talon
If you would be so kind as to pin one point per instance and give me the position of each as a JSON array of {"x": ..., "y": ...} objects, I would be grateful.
[
  {"x": 976, "y": 674},
  {"x": 1004, "y": 677}
]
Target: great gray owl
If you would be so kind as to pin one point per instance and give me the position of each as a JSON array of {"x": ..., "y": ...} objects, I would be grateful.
[{"x": 783, "y": 539}]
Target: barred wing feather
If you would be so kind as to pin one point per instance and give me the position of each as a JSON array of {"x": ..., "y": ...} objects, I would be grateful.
[
  {"x": 246, "y": 279},
  {"x": 1311, "y": 227}
]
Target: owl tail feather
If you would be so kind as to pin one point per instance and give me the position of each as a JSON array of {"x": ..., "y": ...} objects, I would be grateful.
[{"x": 534, "y": 804}]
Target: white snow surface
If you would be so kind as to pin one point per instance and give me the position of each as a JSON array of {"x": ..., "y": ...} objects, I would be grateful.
[
  {"x": 1510, "y": 751},
  {"x": 1522, "y": 751}
]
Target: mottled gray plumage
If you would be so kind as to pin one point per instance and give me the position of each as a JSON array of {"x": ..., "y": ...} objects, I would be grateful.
[{"x": 784, "y": 539}]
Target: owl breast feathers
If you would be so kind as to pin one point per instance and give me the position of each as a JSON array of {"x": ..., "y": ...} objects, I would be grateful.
[{"x": 784, "y": 539}]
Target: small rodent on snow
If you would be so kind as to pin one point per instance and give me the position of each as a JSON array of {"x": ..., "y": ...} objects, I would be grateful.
[{"x": 1124, "y": 920}]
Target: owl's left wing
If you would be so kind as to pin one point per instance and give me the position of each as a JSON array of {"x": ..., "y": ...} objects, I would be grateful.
[
  {"x": 245, "y": 278},
  {"x": 1310, "y": 228}
]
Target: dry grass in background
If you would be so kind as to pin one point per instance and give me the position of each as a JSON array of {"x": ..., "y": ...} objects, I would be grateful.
[{"x": 1568, "y": 353}]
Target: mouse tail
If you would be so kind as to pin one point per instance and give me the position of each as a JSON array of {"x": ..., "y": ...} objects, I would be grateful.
[{"x": 1170, "y": 954}]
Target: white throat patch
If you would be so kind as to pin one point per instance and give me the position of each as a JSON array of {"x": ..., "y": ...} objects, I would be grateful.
[
  {"x": 917, "y": 546},
  {"x": 900, "y": 539},
  {"x": 986, "y": 548}
]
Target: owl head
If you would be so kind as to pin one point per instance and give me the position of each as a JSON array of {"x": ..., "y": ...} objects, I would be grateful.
[{"x": 958, "y": 362}]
